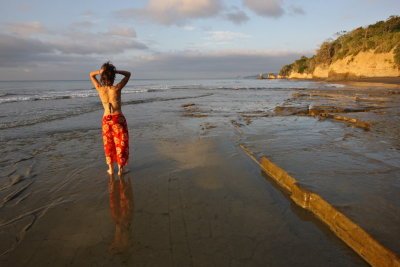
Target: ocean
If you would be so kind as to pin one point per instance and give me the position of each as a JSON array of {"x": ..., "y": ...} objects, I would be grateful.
[{"x": 26, "y": 107}]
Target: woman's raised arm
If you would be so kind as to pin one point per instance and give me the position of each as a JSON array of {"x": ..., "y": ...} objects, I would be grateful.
[
  {"x": 125, "y": 80},
  {"x": 94, "y": 79}
]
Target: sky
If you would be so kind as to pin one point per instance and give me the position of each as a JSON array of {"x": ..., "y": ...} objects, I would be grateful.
[{"x": 169, "y": 39}]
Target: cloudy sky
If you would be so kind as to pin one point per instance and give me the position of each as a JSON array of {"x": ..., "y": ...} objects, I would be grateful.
[{"x": 59, "y": 39}]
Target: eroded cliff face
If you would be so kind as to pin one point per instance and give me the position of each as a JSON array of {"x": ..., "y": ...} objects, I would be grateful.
[
  {"x": 364, "y": 64},
  {"x": 297, "y": 75}
]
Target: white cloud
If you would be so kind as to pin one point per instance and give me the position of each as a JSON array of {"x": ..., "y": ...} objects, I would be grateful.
[
  {"x": 237, "y": 17},
  {"x": 225, "y": 36},
  {"x": 169, "y": 12},
  {"x": 83, "y": 43},
  {"x": 121, "y": 31},
  {"x": 27, "y": 28},
  {"x": 266, "y": 8},
  {"x": 17, "y": 50},
  {"x": 74, "y": 60},
  {"x": 23, "y": 50},
  {"x": 179, "y": 12},
  {"x": 100, "y": 48},
  {"x": 75, "y": 39}
]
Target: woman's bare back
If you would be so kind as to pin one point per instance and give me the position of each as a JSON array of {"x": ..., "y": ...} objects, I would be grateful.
[
  {"x": 111, "y": 99},
  {"x": 110, "y": 95}
]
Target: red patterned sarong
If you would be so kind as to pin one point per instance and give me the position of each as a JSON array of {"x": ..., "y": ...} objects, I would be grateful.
[{"x": 116, "y": 139}]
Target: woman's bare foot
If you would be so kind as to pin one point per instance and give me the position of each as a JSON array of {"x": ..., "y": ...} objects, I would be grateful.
[
  {"x": 122, "y": 170},
  {"x": 110, "y": 170}
]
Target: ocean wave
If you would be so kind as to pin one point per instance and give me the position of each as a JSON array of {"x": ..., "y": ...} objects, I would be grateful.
[
  {"x": 7, "y": 94},
  {"x": 188, "y": 86},
  {"x": 21, "y": 98},
  {"x": 14, "y": 99},
  {"x": 94, "y": 107},
  {"x": 133, "y": 91},
  {"x": 334, "y": 85},
  {"x": 247, "y": 88},
  {"x": 226, "y": 87},
  {"x": 159, "y": 99},
  {"x": 9, "y": 98}
]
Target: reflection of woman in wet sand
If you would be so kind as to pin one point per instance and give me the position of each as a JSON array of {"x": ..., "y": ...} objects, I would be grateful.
[
  {"x": 114, "y": 128},
  {"x": 121, "y": 205}
]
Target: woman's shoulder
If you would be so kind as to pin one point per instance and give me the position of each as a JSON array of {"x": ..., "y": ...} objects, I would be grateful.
[{"x": 115, "y": 88}]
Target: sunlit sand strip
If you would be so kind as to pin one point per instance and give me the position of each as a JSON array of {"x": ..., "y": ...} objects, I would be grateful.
[{"x": 350, "y": 233}]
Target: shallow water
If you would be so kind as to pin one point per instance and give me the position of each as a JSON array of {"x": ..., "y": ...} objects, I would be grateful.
[
  {"x": 196, "y": 198},
  {"x": 28, "y": 103}
]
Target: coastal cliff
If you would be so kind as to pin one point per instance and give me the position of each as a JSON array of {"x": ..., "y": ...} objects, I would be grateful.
[
  {"x": 364, "y": 64},
  {"x": 373, "y": 51}
]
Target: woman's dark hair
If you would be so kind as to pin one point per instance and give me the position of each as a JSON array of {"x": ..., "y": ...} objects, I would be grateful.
[{"x": 108, "y": 75}]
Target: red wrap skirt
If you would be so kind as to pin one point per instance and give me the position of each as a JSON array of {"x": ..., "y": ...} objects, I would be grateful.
[{"x": 116, "y": 139}]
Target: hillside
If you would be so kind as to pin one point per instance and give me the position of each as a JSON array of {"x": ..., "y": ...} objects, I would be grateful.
[{"x": 372, "y": 51}]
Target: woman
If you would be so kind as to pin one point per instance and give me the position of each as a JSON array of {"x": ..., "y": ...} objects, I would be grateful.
[{"x": 114, "y": 128}]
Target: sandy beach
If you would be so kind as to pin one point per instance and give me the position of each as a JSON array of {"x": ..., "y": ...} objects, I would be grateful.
[{"x": 193, "y": 197}]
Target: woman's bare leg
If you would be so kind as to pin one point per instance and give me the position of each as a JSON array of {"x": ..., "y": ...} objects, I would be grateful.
[
  {"x": 110, "y": 169},
  {"x": 122, "y": 170}
]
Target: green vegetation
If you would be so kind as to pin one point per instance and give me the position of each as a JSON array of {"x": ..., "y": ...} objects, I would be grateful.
[{"x": 383, "y": 36}]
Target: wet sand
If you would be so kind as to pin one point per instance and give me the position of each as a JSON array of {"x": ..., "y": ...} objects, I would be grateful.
[
  {"x": 193, "y": 198},
  {"x": 372, "y": 80},
  {"x": 344, "y": 145}
]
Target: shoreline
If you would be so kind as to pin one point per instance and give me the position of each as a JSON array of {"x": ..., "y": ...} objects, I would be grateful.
[
  {"x": 388, "y": 80},
  {"x": 371, "y": 80}
]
